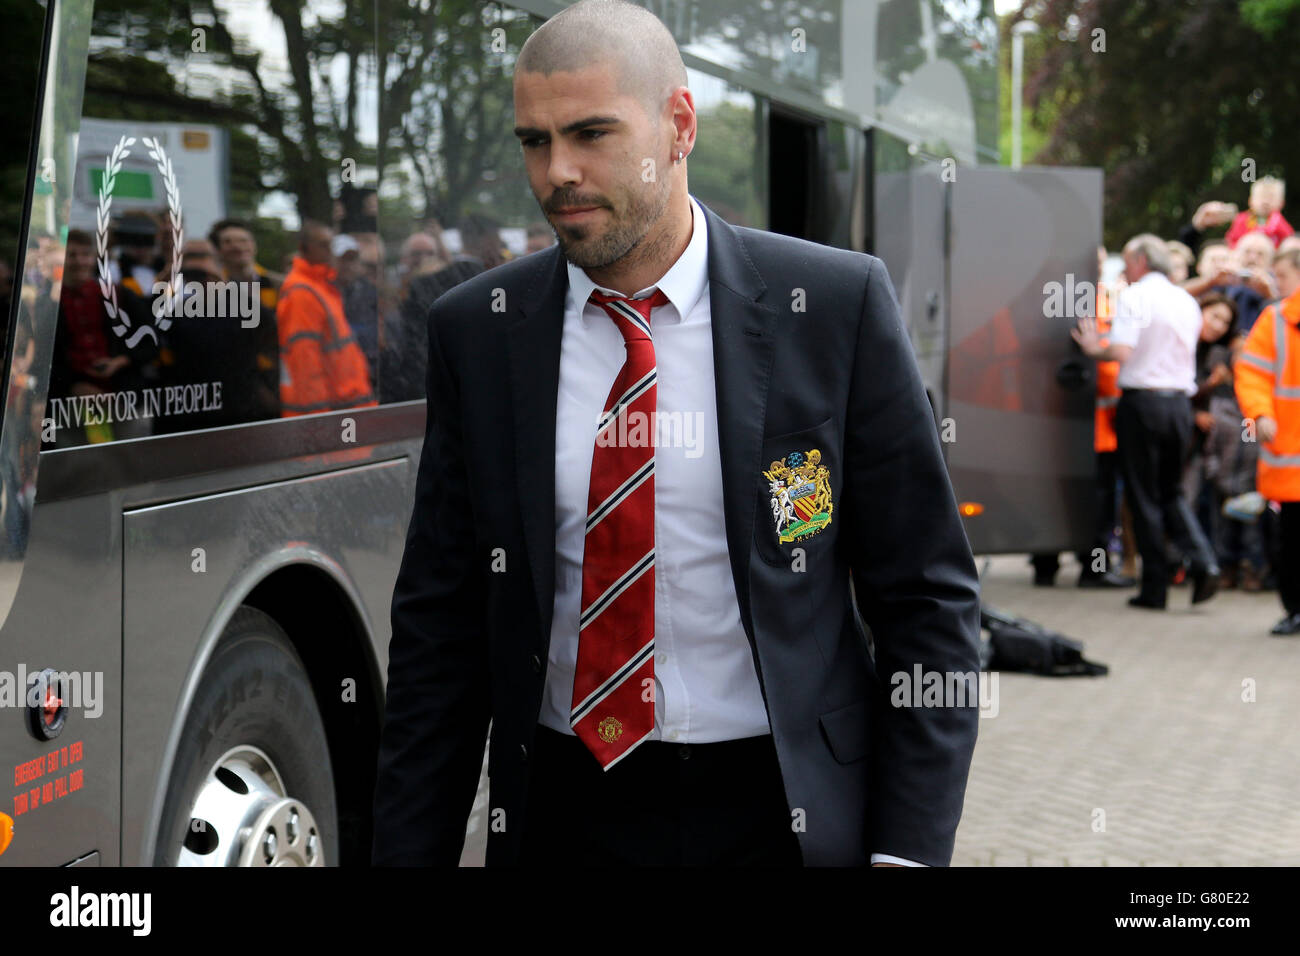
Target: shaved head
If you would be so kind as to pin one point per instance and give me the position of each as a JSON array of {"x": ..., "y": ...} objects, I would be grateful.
[
  {"x": 314, "y": 242},
  {"x": 605, "y": 121},
  {"x": 631, "y": 39}
]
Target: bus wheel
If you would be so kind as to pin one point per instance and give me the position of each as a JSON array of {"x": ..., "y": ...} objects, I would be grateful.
[{"x": 252, "y": 783}]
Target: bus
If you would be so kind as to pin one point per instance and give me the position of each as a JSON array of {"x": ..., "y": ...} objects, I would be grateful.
[{"x": 196, "y": 573}]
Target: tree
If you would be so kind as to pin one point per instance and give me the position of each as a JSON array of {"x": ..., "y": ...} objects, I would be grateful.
[{"x": 1188, "y": 101}]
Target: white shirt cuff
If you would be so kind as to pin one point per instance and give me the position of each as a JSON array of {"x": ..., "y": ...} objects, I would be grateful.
[{"x": 886, "y": 858}]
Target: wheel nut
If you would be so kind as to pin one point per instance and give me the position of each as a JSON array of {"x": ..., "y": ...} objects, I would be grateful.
[
  {"x": 291, "y": 828},
  {"x": 312, "y": 846},
  {"x": 269, "y": 845}
]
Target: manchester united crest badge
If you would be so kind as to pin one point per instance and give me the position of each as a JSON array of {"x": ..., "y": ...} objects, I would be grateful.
[
  {"x": 800, "y": 486},
  {"x": 610, "y": 729}
]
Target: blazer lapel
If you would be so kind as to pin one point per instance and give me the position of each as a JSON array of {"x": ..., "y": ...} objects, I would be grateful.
[
  {"x": 534, "y": 347},
  {"x": 743, "y": 338}
]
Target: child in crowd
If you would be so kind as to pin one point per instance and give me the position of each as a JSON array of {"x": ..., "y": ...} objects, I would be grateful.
[{"x": 1267, "y": 197}]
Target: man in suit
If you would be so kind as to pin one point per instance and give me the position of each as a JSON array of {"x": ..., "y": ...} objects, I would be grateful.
[{"x": 657, "y": 454}]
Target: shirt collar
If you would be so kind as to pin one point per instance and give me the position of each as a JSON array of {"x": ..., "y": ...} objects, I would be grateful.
[{"x": 683, "y": 283}]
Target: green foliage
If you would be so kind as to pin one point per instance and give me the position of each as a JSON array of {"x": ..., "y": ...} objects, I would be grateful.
[
  {"x": 722, "y": 165},
  {"x": 1036, "y": 124},
  {"x": 1268, "y": 16},
  {"x": 1182, "y": 95}
]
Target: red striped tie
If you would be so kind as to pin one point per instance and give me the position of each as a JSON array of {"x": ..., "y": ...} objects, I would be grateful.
[{"x": 613, "y": 682}]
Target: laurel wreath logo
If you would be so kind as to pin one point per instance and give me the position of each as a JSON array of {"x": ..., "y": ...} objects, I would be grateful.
[{"x": 112, "y": 167}]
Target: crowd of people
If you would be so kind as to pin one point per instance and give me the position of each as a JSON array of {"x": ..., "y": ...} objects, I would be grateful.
[
  {"x": 1198, "y": 411},
  {"x": 336, "y": 324}
]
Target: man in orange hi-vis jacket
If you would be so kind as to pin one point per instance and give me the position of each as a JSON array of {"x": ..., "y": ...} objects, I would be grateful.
[
  {"x": 1104, "y": 438},
  {"x": 1267, "y": 382},
  {"x": 322, "y": 367}
]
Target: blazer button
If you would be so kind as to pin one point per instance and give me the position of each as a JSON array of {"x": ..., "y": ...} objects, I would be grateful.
[
  {"x": 523, "y": 752},
  {"x": 537, "y": 664}
]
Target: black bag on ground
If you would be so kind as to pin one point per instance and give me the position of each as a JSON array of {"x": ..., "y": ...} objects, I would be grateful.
[{"x": 1016, "y": 645}]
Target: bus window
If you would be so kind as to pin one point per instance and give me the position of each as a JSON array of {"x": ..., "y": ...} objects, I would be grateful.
[
  {"x": 454, "y": 196},
  {"x": 727, "y": 168},
  {"x": 222, "y": 262}
]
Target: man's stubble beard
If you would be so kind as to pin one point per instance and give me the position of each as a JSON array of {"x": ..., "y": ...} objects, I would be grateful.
[{"x": 624, "y": 238}]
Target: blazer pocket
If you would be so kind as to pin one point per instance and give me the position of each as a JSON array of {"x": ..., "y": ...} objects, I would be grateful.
[
  {"x": 846, "y": 732},
  {"x": 797, "y": 484}
]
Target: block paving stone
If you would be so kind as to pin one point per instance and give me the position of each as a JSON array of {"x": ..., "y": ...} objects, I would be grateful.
[{"x": 1165, "y": 761}]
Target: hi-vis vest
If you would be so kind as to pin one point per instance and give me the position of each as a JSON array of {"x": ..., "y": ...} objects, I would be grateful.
[
  {"x": 1103, "y": 431},
  {"x": 1266, "y": 378},
  {"x": 321, "y": 365}
]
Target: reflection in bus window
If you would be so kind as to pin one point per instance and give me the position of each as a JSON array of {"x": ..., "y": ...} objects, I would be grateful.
[
  {"x": 91, "y": 362},
  {"x": 199, "y": 157},
  {"x": 204, "y": 296},
  {"x": 322, "y": 366},
  {"x": 727, "y": 173},
  {"x": 201, "y": 295},
  {"x": 454, "y": 196}
]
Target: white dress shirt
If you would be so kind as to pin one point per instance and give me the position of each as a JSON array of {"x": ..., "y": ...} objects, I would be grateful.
[
  {"x": 706, "y": 688},
  {"x": 1162, "y": 322}
]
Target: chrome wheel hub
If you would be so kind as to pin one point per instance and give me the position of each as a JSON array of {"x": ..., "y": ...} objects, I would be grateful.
[{"x": 242, "y": 816}]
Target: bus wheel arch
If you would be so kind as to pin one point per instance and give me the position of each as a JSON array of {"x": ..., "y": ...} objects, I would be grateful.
[
  {"x": 310, "y": 612},
  {"x": 252, "y": 782},
  {"x": 327, "y": 631}
]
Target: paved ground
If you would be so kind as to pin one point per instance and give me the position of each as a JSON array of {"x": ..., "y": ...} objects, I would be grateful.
[
  {"x": 1161, "y": 762},
  {"x": 1185, "y": 771}
]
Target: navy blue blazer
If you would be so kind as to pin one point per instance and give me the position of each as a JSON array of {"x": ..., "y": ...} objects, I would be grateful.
[{"x": 879, "y": 522}]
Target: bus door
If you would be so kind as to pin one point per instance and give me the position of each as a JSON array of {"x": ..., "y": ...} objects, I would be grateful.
[
  {"x": 817, "y": 172},
  {"x": 796, "y": 146},
  {"x": 910, "y": 237},
  {"x": 1020, "y": 397}
]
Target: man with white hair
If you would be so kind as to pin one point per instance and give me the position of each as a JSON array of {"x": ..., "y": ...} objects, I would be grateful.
[
  {"x": 1153, "y": 336},
  {"x": 1254, "y": 255}
]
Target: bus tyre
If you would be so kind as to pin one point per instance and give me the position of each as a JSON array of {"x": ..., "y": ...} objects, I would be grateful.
[{"x": 252, "y": 783}]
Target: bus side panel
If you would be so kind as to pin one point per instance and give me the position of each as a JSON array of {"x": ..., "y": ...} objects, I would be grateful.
[
  {"x": 189, "y": 564},
  {"x": 63, "y": 794},
  {"x": 910, "y": 241},
  {"x": 1021, "y": 397}
]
